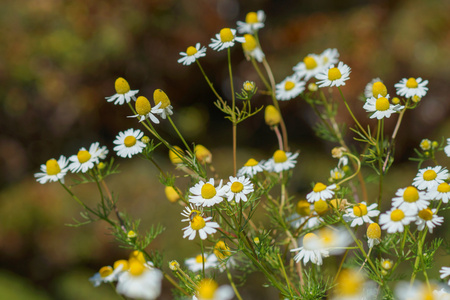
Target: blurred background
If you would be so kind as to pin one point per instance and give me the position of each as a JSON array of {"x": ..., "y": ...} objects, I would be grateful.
[{"x": 59, "y": 60}]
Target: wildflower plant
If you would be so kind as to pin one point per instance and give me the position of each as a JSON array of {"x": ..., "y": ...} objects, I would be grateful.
[{"x": 292, "y": 246}]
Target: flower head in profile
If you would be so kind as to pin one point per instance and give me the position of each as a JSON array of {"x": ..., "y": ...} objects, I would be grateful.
[
  {"x": 447, "y": 148},
  {"x": 375, "y": 88},
  {"x": 208, "y": 289},
  {"x": 312, "y": 250},
  {"x": 85, "y": 160},
  {"x": 128, "y": 143},
  {"x": 430, "y": 177},
  {"x": 281, "y": 161},
  {"x": 321, "y": 192},
  {"x": 196, "y": 263},
  {"x": 251, "y": 168},
  {"x": 206, "y": 194},
  {"x": 304, "y": 212},
  {"x": 427, "y": 218},
  {"x": 309, "y": 67},
  {"x": 123, "y": 92},
  {"x": 197, "y": 223},
  {"x": 381, "y": 107},
  {"x": 146, "y": 111},
  {"x": 289, "y": 88},
  {"x": 238, "y": 188},
  {"x": 192, "y": 54},
  {"x": 396, "y": 219},
  {"x": 373, "y": 234},
  {"x": 53, "y": 170},
  {"x": 251, "y": 48},
  {"x": 225, "y": 39},
  {"x": 328, "y": 57},
  {"x": 439, "y": 192},
  {"x": 360, "y": 213},
  {"x": 253, "y": 22},
  {"x": 109, "y": 274},
  {"x": 334, "y": 76},
  {"x": 410, "y": 198},
  {"x": 161, "y": 98},
  {"x": 202, "y": 154},
  {"x": 412, "y": 87}
]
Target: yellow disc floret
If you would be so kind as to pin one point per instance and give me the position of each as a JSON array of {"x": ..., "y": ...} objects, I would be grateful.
[
  {"x": 251, "y": 162},
  {"x": 318, "y": 187},
  {"x": 310, "y": 62},
  {"x": 198, "y": 222},
  {"x": 226, "y": 35},
  {"x": 138, "y": 255},
  {"x": 250, "y": 43},
  {"x": 136, "y": 267},
  {"x": 387, "y": 264},
  {"x": 382, "y": 104},
  {"x": 129, "y": 141},
  {"x": 412, "y": 83},
  {"x": 395, "y": 100},
  {"x": 199, "y": 259},
  {"x": 289, "y": 85},
  {"x": 202, "y": 154},
  {"x": 429, "y": 175},
  {"x": 175, "y": 155},
  {"x": 143, "y": 106},
  {"x": 334, "y": 74},
  {"x": 208, "y": 191},
  {"x": 52, "y": 167},
  {"x": 443, "y": 188},
  {"x": 272, "y": 116},
  {"x": 236, "y": 187},
  {"x": 320, "y": 206},
  {"x": 411, "y": 194},
  {"x": 221, "y": 250},
  {"x": 350, "y": 283},
  {"x": 191, "y": 51},
  {"x": 121, "y": 86},
  {"x": 121, "y": 262},
  {"x": 279, "y": 156},
  {"x": 83, "y": 156},
  {"x": 360, "y": 210},
  {"x": 374, "y": 231},
  {"x": 171, "y": 194},
  {"x": 426, "y": 214},
  {"x": 310, "y": 241},
  {"x": 397, "y": 215},
  {"x": 303, "y": 208},
  {"x": 378, "y": 88},
  {"x": 251, "y": 18},
  {"x": 160, "y": 96},
  {"x": 105, "y": 271},
  {"x": 207, "y": 288}
]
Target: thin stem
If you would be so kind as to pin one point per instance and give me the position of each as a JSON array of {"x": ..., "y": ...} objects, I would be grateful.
[
  {"x": 279, "y": 138},
  {"x": 203, "y": 258},
  {"x": 285, "y": 275},
  {"x": 233, "y": 108},
  {"x": 232, "y": 284},
  {"x": 340, "y": 265},
  {"x": 179, "y": 134},
  {"x": 170, "y": 279},
  {"x": 208, "y": 81}
]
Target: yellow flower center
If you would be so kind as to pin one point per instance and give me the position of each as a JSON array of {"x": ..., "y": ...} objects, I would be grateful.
[
  {"x": 382, "y": 104},
  {"x": 411, "y": 194},
  {"x": 226, "y": 35},
  {"x": 318, "y": 187},
  {"x": 395, "y": 100},
  {"x": 105, "y": 271},
  {"x": 320, "y": 206},
  {"x": 236, "y": 187},
  {"x": 272, "y": 116},
  {"x": 143, "y": 106},
  {"x": 121, "y": 262},
  {"x": 310, "y": 62},
  {"x": 249, "y": 86},
  {"x": 374, "y": 231},
  {"x": 136, "y": 267},
  {"x": 171, "y": 194},
  {"x": 160, "y": 96},
  {"x": 198, "y": 222},
  {"x": 191, "y": 51},
  {"x": 350, "y": 283},
  {"x": 207, "y": 288},
  {"x": 208, "y": 191},
  {"x": 309, "y": 240},
  {"x": 426, "y": 214},
  {"x": 251, "y": 163},
  {"x": 303, "y": 208},
  {"x": 279, "y": 156},
  {"x": 250, "y": 43},
  {"x": 289, "y": 85},
  {"x": 378, "y": 88},
  {"x": 425, "y": 144},
  {"x": 415, "y": 98},
  {"x": 397, "y": 215},
  {"x": 412, "y": 83},
  {"x": 429, "y": 175},
  {"x": 175, "y": 155},
  {"x": 52, "y": 167},
  {"x": 221, "y": 250},
  {"x": 251, "y": 18},
  {"x": 122, "y": 86},
  {"x": 442, "y": 188},
  {"x": 202, "y": 154},
  {"x": 199, "y": 259},
  {"x": 83, "y": 156},
  {"x": 334, "y": 74},
  {"x": 129, "y": 141},
  {"x": 386, "y": 264},
  {"x": 360, "y": 210},
  {"x": 138, "y": 255}
]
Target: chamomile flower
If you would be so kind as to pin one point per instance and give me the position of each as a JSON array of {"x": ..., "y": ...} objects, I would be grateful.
[
  {"x": 410, "y": 198},
  {"x": 373, "y": 234},
  {"x": 336, "y": 174},
  {"x": 321, "y": 192},
  {"x": 381, "y": 107},
  {"x": 447, "y": 148},
  {"x": 84, "y": 160},
  {"x": 427, "y": 217},
  {"x": 328, "y": 57},
  {"x": 352, "y": 285},
  {"x": 123, "y": 92},
  {"x": 425, "y": 144},
  {"x": 396, "y": 219},
  {"x": 225, "y": 39},
  {"x": 334, "y": 240},
  {"x": 445, "y": 272},
  {"x": 289, "y": 88},
  {"x": 238, "y": 188},
  {"x": 281, "y": 161},
  {"x": 361, "y": 213},
  {"x": 146, "y": 111},
  {"x": 429, "y": 177},
  {"x": 108, "y": 273},
  {"x": 166, "y": 108},
  {"x": 196, "y": 263},
  {"x": 440, "y": 192},
  {"x": 334, "y": 76},
  {"x": 374, "y": 88},
  {"x": 312, "y": 250},
  {"x": 128, "y": 143},
  {"x": 192, "y": 54},
  {"x": 251, "y": 168},
  {"x": 304, "y": 212},
  {"x": 208, "y": 289},
  {"x": 53, "y": 170},
  {"x": 309, "y": 67},
  {"x": 251, "y": 48},
  {"x": 253, "y": 22},
  {"x": 204, "y": 226},
  {"x": 206, "y": 194},
  {"x": 412, "y": 87},
  {"x": 419, "y": 291}
]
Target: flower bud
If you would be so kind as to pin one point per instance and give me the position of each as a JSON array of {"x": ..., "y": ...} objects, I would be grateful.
[
  {"x": 175, "y": 157},
  {"x": 272, "y": 116},
  {"x": 202, "y": 154},
  {"x": 171, "y": 194}
]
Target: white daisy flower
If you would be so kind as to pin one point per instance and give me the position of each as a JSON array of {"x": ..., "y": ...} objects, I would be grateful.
[
  {"x": 312, "y": 250},
  {"x": 208, "y": 289},
  {"x": 430, "y": 177},
  {"x": 140, "y": 281},
  {"x": 251, "y": 168},
  {"x": 427, "y": 217},
  {"x": 425, "y": 144},
  {"x": 375, "y": 88},
  {"x": 447, "y": 148},
  {"x": 84, "y": 160},
  {"x": 334, "y": 240},
  {"x": 53, "y": 170},
  {"x": 328, "y": 57},
  {"x": 412, "y": 87},
  {"x": 373, "y": 234},
  {"x": 128, "y": 143},
  {"x": 197, "y": 223},
  {"x": 251, "y": 48},
  {"x": 361, "y": 213},
  {"x": 418, "y": 291},
  {"x": 445, "y": 272},
  {"x": 253, "y": 22},
  {"x": 123, "y": 92},
  {"x": 225, "y": 39},
  {"x": 304, "y": 212},
  {"x": 192, "y": 54},
  {"x": 281, "y": 161},
  {"x": 159, "y": 96},
  {"x": 411, "y": 199},
  {"x": 206, "y": 194},
  {"x": 352, "y": 285},
  {"x": 396, "y": 219},
  {"x": 381, "y": 107},
  {"x": 441, "y": 294},
  {"x": 289, "y": 88},
  {"x": 146, "y": 111},
  {"x": 238, "y": 188},
  {"x": 321, "y": 192},
  {"x": 337, "y": 174},
  {"x": 334, "y": 76},
  {"x": 309, "y": 67},
  {"x": 196, "y": 263},
  {"x": 440, "y": 192},
  {"x": 108, "y": 273},
  {"x": 101, "y": 152}
]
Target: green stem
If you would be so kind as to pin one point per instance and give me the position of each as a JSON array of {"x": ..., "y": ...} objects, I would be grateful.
[
  {"x": 179, "y": 134},
  {"x": 232, "y": 284},
  {"x": 353, "y": 116},
  {"x": 233, "y": 108},
  {"x": 203, "y": 258},
  {"x": 208, "y": 81}
]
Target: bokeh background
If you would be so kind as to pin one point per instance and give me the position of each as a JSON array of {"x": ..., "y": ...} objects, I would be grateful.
[{"x": 59, "y": 60}]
